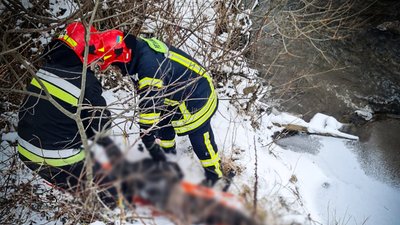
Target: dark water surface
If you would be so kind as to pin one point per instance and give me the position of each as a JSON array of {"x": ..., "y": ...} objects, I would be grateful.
[{"x": 361, "y": 71}]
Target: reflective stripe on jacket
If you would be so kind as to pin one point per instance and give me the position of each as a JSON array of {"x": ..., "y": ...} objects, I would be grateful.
[
  {"x": 46, "y": 134},
  {"x": 53, "y": 157},
  {"x": 169, "y": 79}
]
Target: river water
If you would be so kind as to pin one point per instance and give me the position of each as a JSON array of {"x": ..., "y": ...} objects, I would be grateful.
[{"x": 338, "y": 77}]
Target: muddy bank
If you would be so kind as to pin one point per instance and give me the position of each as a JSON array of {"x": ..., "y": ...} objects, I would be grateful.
[
  {"x": 361, "y": 73},
  {"x": 338, "y": 75}
]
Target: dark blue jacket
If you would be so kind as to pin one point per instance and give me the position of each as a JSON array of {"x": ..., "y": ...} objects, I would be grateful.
[
  {"x": 46, "y": 133},
  {"x": 169, "y": 81}
]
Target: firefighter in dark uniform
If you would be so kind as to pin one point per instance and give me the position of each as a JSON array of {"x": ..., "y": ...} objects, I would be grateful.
[
  {"x": 49, "y": 141},
  {"x": 176, "y": 97}
]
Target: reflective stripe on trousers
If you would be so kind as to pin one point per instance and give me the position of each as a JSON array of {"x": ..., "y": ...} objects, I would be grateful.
[{"x": 206, "y": 150}]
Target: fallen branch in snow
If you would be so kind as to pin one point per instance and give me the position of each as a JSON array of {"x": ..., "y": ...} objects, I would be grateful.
[
  {"x": 256, "y": 178},
  {"x": 320, "y": 124}
]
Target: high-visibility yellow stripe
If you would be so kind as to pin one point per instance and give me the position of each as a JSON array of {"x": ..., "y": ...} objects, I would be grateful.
[
  {"x": 197, "y": 119},
  {"x": 48, "y": 153},
  {"x": 52, "y": 162},
  {"x": 189, "y": 121},
  {"x": 147, "y": 81},
  {"x": 186, "y": 124},
  {"x": 69, "y": 40},
  {"x": 59, "y": 82},
  {"x": 56, "y": 92},
  {"x": 214, "y": 157},
  {"x": 182, "y": 107},
  {"x": 190, "y": 64},
  {"x": 170, "y": 102},
  {"x": 185, "y": 112},
  {"x": 149, "y": 118},
  {"x": 209, "y": 146},
  {"x": 156, "y": 45},
  {"x": 210, "y": 162},
  {"x": 167, "y": 143}
]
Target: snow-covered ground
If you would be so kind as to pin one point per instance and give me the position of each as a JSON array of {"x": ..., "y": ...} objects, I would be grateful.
[
  {"x": 312, "y": 179},
  {"x": 309, "y": 179}
]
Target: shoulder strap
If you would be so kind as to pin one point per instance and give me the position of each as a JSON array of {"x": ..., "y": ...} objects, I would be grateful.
[{"x": 156, "y": 45}]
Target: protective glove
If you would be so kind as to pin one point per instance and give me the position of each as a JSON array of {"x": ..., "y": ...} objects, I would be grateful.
[{"x": 156, "y": 152}]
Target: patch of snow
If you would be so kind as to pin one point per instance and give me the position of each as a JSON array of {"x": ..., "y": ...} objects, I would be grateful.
[
  {"x": 97, "y": 223},
  {"x": 286, "y": 119},
  {"x": 366, "y": 113},
  {"x": 26, "y": 4},
  {"x": 327, "y": 186},
  {"x": 323, "y": 124},
  {"x": 11, "y": 137},
  {"x": 319, "y": 124},
  {"x": 11, "y": 117},
  {"x": 62, "y": 9}
]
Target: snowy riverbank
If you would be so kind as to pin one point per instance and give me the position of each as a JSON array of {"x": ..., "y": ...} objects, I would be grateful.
[{"x": 310, "y": 180}]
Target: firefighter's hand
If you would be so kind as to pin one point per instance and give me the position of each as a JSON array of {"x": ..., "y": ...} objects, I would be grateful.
[{"x": 157, "y": 153}]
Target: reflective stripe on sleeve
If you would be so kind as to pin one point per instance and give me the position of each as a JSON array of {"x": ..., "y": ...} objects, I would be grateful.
[
  {"x": 56, "y": 92},
  {"x": 147, "y": 81},
  {"x": 149, "y": 118},
  {"x": 167, "y": 143}
]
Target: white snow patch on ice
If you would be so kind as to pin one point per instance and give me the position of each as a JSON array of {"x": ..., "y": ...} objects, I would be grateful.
[
  {"x": 319, "y": 124},
  {"x": 348, "y": 191},
  {"x": 365, "y": 113},
  {"x": 286, "y": 119}
]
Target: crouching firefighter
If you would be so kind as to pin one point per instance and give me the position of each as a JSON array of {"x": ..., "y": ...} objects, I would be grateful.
[
  {"x": 49, "y": 140},
  {"x": 176, "y": 96}
]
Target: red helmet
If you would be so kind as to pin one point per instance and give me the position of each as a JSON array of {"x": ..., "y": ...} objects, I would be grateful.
[
  {"x": 113, "y": 49},
  {"x": 74, "y": 37}
]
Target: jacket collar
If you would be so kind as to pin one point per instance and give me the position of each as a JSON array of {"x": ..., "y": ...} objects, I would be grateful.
[{"x": 132, "y": 43}]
